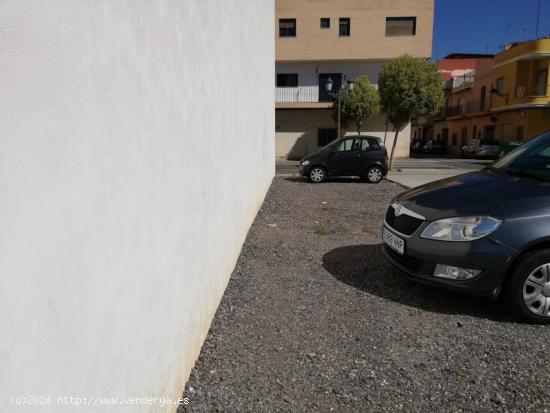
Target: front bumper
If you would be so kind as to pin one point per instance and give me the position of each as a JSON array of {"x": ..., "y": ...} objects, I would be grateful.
[
  {"x": 421, "y": 256},
  {"x": 304, "y": 170}
]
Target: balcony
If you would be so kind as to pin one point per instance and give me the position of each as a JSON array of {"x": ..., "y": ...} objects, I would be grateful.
[
  {"x": 466, "y": 108},
  {"x": 299, "y": 94},
  {"x": 301, "y": 97},
  {"x": 465, "y": 80}
]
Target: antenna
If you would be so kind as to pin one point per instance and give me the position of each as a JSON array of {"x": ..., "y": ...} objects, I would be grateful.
[{"x": 538, "y": 16}]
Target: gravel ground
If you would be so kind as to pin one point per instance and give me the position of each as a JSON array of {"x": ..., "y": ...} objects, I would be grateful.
[{"x": 314, "y": 319}]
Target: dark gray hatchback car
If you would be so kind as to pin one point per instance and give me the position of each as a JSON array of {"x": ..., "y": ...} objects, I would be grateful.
[
  {"x": 363, "y": 156},
  {"x": 485, "y": 233}
]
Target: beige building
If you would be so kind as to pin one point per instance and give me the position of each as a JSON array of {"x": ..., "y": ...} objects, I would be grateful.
[{"x": 318, "y": 40}]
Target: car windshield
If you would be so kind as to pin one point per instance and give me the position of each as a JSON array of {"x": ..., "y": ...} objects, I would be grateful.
[{"x": 530, "y": 160}]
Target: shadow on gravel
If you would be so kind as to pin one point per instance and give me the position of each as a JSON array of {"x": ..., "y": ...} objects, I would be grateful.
[{"x": 364, "y": 267}]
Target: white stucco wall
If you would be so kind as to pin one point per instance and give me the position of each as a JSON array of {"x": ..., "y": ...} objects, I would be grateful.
[{"x": 136, "y": 146}]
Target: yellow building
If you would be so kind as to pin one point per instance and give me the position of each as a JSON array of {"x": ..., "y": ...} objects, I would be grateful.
[{"x": 521, "y": 100}]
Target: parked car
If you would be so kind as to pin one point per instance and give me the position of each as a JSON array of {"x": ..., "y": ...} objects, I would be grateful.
[
  {"x": 363, "y": 156},
  {"x": 435, "y": 147},
  {"x": 482, "y": 148},
  {"x": 485, "y": 233},
  {"x": 417, "y": 145}
]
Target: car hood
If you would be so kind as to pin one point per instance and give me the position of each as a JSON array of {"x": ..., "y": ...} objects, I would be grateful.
[
  {"x": 478, "y": 193},
  {"x": 312, "y": 155}
]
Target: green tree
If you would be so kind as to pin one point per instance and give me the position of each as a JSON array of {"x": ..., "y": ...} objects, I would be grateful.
[
  {"x": 408, "y": 88},
  {"x": 358, "y": 104}
]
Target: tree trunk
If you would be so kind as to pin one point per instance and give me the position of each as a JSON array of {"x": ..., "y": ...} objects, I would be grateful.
[
  {"x": 358, "y": 129},
  {"x": 393, "y": 146},
  {"x": 386, "y": 133}
]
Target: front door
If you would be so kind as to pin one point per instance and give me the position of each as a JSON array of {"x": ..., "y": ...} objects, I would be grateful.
[
  {"x": 324, "y": 95},
  {"x": 345, "y": 157}
]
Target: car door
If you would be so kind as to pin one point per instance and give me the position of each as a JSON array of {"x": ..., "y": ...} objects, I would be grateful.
[
  {"x": 371, "y": 153},
  {"x": 343, "y": 159}
]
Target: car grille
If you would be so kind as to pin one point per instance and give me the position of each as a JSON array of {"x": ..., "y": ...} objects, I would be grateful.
[
  {"x": 410, "y": 263},
  {"x": 404, "y": 224}
]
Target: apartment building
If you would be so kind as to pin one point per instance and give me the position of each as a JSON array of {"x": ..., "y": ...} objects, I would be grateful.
[
  {"x": 503, "y": 97},
  {"x": 466, "y": 114},
  {"x": 521, "y": 98},
  {"x": 318, "y": 40},
  {"x": 458, "y": 72}
]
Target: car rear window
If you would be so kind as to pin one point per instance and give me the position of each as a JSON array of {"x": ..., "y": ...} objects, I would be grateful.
[{"x": 374, "y": 145}]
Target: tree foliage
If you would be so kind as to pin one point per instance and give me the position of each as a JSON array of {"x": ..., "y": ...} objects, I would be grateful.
[
  {"x": 358, "y": 104},
  {"x": 408, "y": 88}
]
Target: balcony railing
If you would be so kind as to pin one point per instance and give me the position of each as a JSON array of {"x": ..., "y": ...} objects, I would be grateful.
[
  {"x": 469, "y": 107},
  {"x": 299, "y": 94},
  {"x": 463, "y": 80},
  {"x": 540, "y": 89}
]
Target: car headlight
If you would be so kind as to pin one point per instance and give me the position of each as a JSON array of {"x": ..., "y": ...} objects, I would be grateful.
[
  {"x": 461, "y": 229},
  {"x": 305, "y": 163}
]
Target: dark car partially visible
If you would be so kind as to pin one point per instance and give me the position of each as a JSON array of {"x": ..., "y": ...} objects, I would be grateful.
[{"x": 485, "y": 233}]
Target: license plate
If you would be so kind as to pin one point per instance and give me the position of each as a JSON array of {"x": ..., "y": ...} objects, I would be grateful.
[{"x": 393, "y": 241}]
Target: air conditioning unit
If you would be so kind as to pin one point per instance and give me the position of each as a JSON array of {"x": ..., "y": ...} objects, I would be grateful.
[{"x": 520, "y": 91}]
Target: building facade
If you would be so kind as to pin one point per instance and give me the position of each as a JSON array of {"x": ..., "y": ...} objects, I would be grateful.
[
  {"x": 460, "y": 72},
  {"x": 521, "y": 98},
  {"x": 503, "y": 97},
  {"x": 318, "y": 40},
  {"x": 124, "y": 208}
]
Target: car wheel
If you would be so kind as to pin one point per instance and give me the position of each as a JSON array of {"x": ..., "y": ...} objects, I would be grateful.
[
  {"x": 527, "y": 293},
  {"x": 375, "y": 174},
  {"x": 317, "y": 174}
]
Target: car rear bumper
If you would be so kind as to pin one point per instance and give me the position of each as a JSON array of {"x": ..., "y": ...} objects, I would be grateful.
[{"x": 422, "y": 255}]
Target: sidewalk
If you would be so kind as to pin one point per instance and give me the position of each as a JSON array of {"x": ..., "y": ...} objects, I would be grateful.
[{"x": 411, "y": 178}]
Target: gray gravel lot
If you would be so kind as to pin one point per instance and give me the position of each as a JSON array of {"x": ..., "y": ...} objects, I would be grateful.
[{"x": 313, "y": 319}]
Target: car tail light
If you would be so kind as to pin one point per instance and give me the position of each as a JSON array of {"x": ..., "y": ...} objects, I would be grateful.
[{"x": 386, "y": 160}]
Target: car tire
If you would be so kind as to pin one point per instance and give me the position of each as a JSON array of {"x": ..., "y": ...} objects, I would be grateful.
[
  {"x": 374, "y": 174},
  {"x": 527, "y": 292},
  {"x": 317, "y": 174}
]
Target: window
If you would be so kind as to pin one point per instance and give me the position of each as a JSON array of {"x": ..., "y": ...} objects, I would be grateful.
[
  {"x": 369, "y": 145},
  {"x": 462, "y": 106},
  {"x": 474, "y": 132},
  {"x": 500, "y": 85},
  {"x": 542, "y": 80},
  {"x": 287, "y": 79},
  {"x": 454, "y": 139},
  {"x": 326, "y": 136},
  {"x": 345, "y": 26},
  {"x": 400, "y": 26},
  {"x": 520, "y": 133},
  {"x": 287, "y": 27},
  {"x": 325, "y": 23},
  {"x": 482, "y": 99},
  {"x": 463, "y": 135},
  {"x": 345, "y": 146}
]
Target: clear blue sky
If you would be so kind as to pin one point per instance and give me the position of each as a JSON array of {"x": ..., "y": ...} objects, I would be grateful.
[{"x": 480, "y": 26}]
